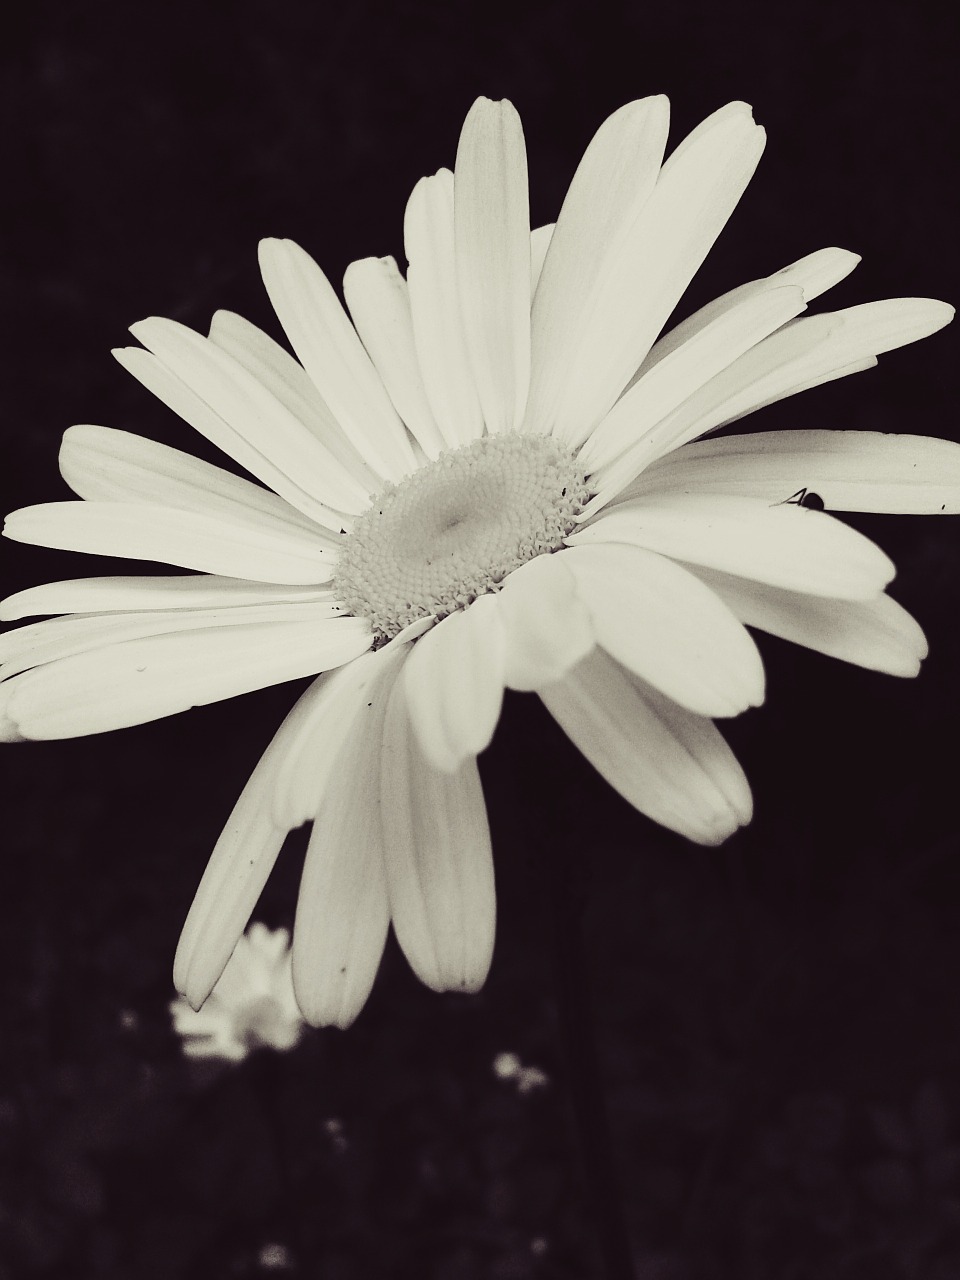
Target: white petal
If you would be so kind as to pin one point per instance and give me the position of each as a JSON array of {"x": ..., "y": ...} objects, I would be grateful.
[
  {"x": 328, "y": 348},
  {"x": 805, "y": 354},
  {"x": 785, "y": 544},
  {"x": 492, "y": 248},
  {"x": 379, "y": 303},
  {"x": 877, "y": 633},
  {"x": 289, "y": 382},
  {"x": 342, "y": 911},
  {"x": 453, "y": 683},
  {"x": 102, "y": 464},
  {"x": 178, "y": 591},
  {"x": 611, "y": 185},
  {"x": 695, "y": 194},
  {"x": 438, "y": 859},
  {"x": 673, "y": 766},
  {"x": 663, "y": 624},
  {"x": 240, "y": 415},
  {"x": 57, "y": 638},
  {"x": 140, "y": 680},
  {"x": 634, "y": 429},
  {"x": 540, "y": 239},
  {"x": 850, "y": 470},
  {"x": 547, "y": 628},
  {"x": 815, "y": 274},
  {"x": 237, "y": 547},
  {"x": 428, "y": 234},
  {"x": 268, "y": 808}
]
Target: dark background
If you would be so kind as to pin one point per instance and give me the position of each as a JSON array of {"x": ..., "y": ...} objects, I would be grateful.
[{"x": 778, "y": 1019}]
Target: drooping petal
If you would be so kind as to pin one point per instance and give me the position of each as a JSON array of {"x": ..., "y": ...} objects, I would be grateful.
[
  {"x": 240, "y": 415},
  {"x": 492, "y": 250},
  {"x": 663, "y": 624},
  {"x": 696, "y": 192},
  {"x": 102, "y": 464},
  {"x": 290, "y": 383},
  {"x": 547, "y": 627},
  {"x": 815, "y": 274},
  {"x": 236, "y": 547},
  {"x": 438, "y": 859},
  {"x": 59, "y": 638},
  {"x": 634, "y": 429},
  {"x": 176, "y": 591},
  {"x": 453, "y": 683},
  {"x": 428, "y": 234},
  {"x": 282, "y": 793},
  {"x": 136, "y": 681},
  {"x": 878, "y": 633},
  {"x": 850, "y": 470},
  {"x": 784, "y": 544},
  {"x": 342, "y": 909},
  {"x": 671, "y": 765},
  {"x": 379, "y": 303},
  {"x": 329, "y": 349},
  {"x": 611, "y": 185}
]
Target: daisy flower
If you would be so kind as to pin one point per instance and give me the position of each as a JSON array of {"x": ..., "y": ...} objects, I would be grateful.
[
  {"x": 490, "y": 475},
  {"x": 252, "y": 1005}
]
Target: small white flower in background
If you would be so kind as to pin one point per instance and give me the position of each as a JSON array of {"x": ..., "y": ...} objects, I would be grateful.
[
  {"x": 252, "y": 1005},
  {"x": 507, "y": 1066},
  {"x": 490, "y": 475}
]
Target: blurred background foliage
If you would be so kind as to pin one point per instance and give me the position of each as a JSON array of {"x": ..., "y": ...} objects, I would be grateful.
[{"x": 777, "y": 1018}]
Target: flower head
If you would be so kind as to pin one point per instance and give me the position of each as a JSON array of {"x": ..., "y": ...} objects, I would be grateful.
[
  {"x": 491, "y": 475},
  {"x": 252, "y": 1005}
]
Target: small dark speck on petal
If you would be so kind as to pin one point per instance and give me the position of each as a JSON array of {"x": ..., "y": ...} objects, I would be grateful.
[
  {"x": 369, "y": 704},
  {"x": 343, "y": 968}
]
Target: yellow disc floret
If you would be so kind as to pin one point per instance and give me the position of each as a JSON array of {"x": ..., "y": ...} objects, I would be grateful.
[{"x": 453, "y": 530}]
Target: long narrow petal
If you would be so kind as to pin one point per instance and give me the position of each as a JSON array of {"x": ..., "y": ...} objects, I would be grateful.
[
  {"x": 453, "y": 683},
  {"x": 428, "y": 234},
  {"x": 438, "y": 859},
  {"x": 102, "y": 464},
  {"x": 695, "y": 194},
  {"x": 172, "y": 591},
  {"x": 850, "y": 470},
  {"x": 251, "y": 840},
  {"x": 492, "y": 249},
  {"x": 611, "y": 185},
  {"x": 815, "y": 274},
  {"x": 235, "y": 547},
  {"x": 671, "y": 765},
  {"x": 342, "y": 910},
  {"x": 332, "y": 354},
  {"x": 58, "y": 638},
  {"x": 801, "y": 355},
  {"x": 136, "y": 681},
  {"x": 183, "y": 400},
  {"x": 877, "y": 633},
  {"x": 786, "y": 545},
  {"x": 253, "y": 414},
  {"x": 663, "y": 624},
  {"x": 289, "y": 382},
  {"x": 547, "y": 627},
  {"x": 379, "y": 303},
  {"x": 634, "y": 429}
]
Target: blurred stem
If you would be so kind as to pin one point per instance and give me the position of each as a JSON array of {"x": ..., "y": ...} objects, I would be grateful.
[{"x": 578, "y": 1034}]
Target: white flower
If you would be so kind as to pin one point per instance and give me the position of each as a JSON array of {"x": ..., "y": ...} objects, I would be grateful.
[
  {"x": 507, "y": 400},
  {"x": 251, "y": 1006}
]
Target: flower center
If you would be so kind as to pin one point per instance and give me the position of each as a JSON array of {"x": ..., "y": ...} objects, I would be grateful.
[{"x": 454, "y": 529}]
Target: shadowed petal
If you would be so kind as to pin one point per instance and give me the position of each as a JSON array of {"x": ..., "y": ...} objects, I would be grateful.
[
  {"x": 438, "y": 859},
  {"x": 670, "y": 764}
]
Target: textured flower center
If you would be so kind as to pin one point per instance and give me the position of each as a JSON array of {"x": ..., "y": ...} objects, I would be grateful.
[{"x": 454, "y": 529}]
